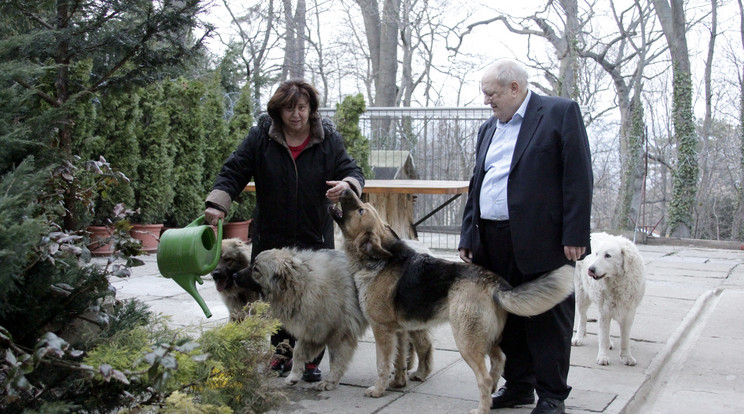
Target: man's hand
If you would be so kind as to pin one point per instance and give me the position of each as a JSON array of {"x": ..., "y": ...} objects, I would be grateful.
[
  {"x": 466, "y": 255},
  {"x": 573, "y": 253}
]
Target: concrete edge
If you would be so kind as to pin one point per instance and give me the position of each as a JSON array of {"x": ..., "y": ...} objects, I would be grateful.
[{"x": 653, "y": 372}]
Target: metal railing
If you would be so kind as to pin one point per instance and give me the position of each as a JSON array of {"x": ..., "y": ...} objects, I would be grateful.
[{"x": 426, "y": 144}]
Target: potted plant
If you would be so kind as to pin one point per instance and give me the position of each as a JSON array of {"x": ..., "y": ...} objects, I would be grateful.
[
  {"x": 97, "y": 189},
  {"x": 240, "y": 217}
]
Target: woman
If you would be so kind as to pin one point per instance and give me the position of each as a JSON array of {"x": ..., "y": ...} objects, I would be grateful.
[{"x": 300, "y": 166}]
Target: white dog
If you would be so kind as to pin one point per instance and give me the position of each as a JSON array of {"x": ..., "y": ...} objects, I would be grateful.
[{"x": 613, "y": 277}]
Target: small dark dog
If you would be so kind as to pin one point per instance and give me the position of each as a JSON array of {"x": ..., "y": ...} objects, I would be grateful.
[{"x": 235, "y": 256}]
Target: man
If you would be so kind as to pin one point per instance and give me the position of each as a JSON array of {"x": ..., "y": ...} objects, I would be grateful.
[{"x": 527, "y": 213}]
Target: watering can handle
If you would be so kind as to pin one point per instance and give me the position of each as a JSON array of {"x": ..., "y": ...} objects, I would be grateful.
[
  {"x": 216, "y": 259},
  {"x": 199, "y": 220}
]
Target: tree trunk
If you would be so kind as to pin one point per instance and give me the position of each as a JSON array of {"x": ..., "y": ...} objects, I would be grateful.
[
  {"x": 738, "y": 229},
  {"x": 684, "y": 187},
  {"x": 386, "y": 89},
  {"x": 294, "y": 50},
  {"x": 382, "y": 40},
  {"x": 569, "y": 59}
]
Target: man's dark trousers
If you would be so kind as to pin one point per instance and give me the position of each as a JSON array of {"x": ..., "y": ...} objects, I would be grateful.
[{"x": 547, "y": 336}]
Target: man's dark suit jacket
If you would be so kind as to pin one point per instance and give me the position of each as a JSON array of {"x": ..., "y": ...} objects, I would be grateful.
[{"x": 549, "y": 192}]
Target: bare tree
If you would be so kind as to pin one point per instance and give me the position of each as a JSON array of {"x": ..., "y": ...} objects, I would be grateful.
[
  {"x": 671, "y": 15},
  {"x": 381, "y": 30},
  {"x": 323, "y": 68},
  {"x": 565, "y": 41},
  {"x": 629, "y": 48},
  {"x": 294, "y": 40},
  {"x": 706, "y": 175},
  {"x": 255, "y": 39},
  {"x": 739, "y": 218}
]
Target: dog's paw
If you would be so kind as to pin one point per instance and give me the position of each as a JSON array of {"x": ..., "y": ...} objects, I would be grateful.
[
  {"x": 326, "y": 386},
  {"x": 628, "y": 359},
  {"x": 612, "y": 344},
  {"x": 373, "y": 391},
  {"x": 398, "y": 381},
  {"x": 292, "y": 379},
  {"x": 576, "y": 341},
  {"x": 603, "y": 360},
  {"x": 417, "y": 376}
]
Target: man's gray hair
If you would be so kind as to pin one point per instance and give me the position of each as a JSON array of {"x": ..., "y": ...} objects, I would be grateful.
[{"x": 507, "y": 70}]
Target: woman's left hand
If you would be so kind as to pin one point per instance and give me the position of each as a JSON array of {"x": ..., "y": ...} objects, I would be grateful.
[{"x": 337, "y": 188}]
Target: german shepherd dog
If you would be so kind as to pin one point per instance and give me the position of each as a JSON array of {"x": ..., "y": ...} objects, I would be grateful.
[
  {"x": 402, "y": 290},
  {"x": 234, "y": 257}
]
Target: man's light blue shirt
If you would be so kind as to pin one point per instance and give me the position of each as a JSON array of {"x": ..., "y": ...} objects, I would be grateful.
[{"x": 493, "y": 197}]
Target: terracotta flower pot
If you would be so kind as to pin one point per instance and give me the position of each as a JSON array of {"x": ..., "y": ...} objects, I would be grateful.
[
  {"x": 237, "y": 230},
  {"x": 148, "y": 235},
  {"x": 100, "y": 237}
]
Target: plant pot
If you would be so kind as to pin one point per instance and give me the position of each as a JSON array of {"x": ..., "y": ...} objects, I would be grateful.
[
  {"x": 237, "y": 230},
  {"x": 101, "y": 243},
  {"x": 148, "y": 235}
]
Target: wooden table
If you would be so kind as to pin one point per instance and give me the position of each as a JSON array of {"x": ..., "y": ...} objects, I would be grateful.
[{"x": 394, "y": 200}]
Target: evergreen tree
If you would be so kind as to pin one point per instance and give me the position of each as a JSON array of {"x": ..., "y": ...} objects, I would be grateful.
[
  {"x": 43, "y": 44},
  {"x": 118, "y": 116},
  {"x": 216, "y": 132},
  {"x": 153, "y": 189},
  {"x": 187, "y": 134},
  {"x": 242, "y": 119},
  {"x": 240, "y": 123},
  {"x": 347, "y": 123}
]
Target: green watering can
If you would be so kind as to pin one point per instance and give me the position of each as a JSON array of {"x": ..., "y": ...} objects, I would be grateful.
[{"x": 186, "y": 254}]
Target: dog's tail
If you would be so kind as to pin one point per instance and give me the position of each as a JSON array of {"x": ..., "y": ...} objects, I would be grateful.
[{"x": 539, "y": 295}]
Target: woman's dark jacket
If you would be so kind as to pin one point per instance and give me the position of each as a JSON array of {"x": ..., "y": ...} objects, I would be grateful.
[{"x": 291, "y": 206}]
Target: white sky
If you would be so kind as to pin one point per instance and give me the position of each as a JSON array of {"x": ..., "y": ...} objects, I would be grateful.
[{"x": 487, "y": 43}]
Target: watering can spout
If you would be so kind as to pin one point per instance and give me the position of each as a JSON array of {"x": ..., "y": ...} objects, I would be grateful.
[
  {"x": 186, "y": 254},
  {"x": 188, "y": 283}
]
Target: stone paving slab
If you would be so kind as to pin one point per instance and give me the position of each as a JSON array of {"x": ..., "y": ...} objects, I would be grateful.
[
  {"x": 703, "y": 375},
  {"x": 709, "y": 376}
]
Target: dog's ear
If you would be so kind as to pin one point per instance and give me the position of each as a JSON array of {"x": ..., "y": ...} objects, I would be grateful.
[
  {"x": 279, "y": 279},
  {"x": 287, "y": 267},
  {"x": 392, "y": 231},
  {"x": 632, "y": 262},
  {"x": 371, "y": 246}
]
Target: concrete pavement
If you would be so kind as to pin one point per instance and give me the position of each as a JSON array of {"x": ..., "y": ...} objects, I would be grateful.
[{"x": 687, "y": 338}]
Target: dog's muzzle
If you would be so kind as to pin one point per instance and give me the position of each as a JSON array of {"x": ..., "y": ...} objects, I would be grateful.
[
  {"x": 244, "y": 279},
  {"x": 593, "y": 275},
  {"x": 336, "y": 213}
]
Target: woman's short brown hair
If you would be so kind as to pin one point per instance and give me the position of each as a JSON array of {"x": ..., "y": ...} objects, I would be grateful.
[{"x": 287, "y": 95}]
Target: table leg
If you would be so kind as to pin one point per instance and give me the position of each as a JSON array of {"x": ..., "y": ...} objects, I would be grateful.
[{"x": 397, "y": 210}]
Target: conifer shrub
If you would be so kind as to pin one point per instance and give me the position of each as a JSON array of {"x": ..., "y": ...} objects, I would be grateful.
[
  {"x": 347, "y": 123},
  {"x": 217, "y": 141},
  {"x": 187, "y": 133},
  {"x": 153, "y": 189},
  {"x": 240, "y": 124}
]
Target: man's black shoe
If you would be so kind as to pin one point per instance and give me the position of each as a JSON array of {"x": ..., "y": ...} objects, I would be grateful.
[
  {"x": 505, "y": 398},
  {"x": 549, "y": 406}
]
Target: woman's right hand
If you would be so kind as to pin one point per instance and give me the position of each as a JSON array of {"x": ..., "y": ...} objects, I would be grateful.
[{"x": 213, "y": 215}]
